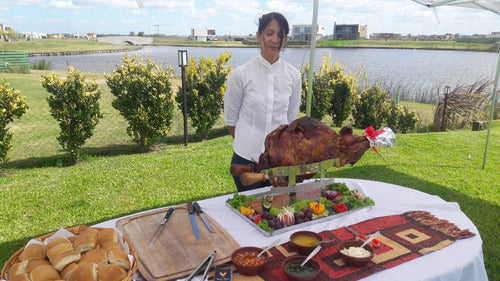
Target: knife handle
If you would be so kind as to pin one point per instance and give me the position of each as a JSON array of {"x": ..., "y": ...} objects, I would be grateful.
[
  {"x": 190, "y": 207},
  {"x": 167, "y": 215},
  {"x": 197, "y": 208},
  {"x": 251, "y": 178}
]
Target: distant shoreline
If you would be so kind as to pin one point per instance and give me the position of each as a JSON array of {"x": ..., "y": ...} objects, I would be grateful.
[
  {"x": 66, "y": 47},
  {"x": 86, "y": 52}
]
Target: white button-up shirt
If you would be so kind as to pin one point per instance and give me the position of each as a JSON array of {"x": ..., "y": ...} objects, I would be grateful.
[{"x": 260, "y": 97}]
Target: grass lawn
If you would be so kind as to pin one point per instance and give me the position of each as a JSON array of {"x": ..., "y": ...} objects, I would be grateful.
[
  {"x": 58, "y": 45},
  {"x": 114, "y": 181}
]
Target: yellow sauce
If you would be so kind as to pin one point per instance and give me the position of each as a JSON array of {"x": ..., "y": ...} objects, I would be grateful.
[{"x": 305, "y": 241}]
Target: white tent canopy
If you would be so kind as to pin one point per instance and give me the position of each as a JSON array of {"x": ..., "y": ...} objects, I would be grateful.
[{"x": 490, "y": 5}]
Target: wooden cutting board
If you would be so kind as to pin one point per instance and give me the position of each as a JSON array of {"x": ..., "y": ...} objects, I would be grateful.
[{"x": 176, "y": 252}]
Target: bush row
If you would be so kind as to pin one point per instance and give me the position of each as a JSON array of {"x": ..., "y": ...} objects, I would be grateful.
[{"x": 145, "y": 98}]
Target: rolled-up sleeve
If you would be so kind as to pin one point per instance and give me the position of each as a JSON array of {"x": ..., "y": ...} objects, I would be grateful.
[{"x": 232, "y": 99}]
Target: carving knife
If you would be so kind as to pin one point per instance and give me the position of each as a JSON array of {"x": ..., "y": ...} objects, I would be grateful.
[
  {"x": 162, "y": 224},
  {"x": 193, "y": 222},
  {"x": 198, "y": 210}
]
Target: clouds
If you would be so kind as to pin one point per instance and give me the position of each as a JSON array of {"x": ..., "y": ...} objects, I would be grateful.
[{"x": 237, "y": 17}]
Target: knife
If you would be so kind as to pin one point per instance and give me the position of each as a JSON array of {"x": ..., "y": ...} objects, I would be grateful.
[
  {"x": 193, "y": 222},
  {"x": 198, "y": 210},
  {"x": 162, "y": 224}
]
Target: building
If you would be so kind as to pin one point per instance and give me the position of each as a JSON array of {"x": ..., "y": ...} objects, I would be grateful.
[
  {"x": 5, "y": 30},
  {"x": 203, "y": 34},
  {"x": 302, "y": 32},
  {"x": 386, "y": 36},
  {"x": 350, "y": 32}
]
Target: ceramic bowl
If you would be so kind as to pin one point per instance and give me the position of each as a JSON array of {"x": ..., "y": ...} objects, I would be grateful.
[
  {"x": 301, "y": 241},
  {"x": 246, "y": 262},
  {"x": 310, "y": 271},
  {"x": 353, "y": 261}
]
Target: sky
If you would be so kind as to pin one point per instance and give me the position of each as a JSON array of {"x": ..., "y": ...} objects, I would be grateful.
[{"x": 237, "y": 17}]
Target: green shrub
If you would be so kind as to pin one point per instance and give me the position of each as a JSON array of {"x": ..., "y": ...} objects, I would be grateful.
[
  {"x": 144, "y": 97},
  {"x": 401, "y": 119},
  {"x": 74, "y": 104},
  {"x": 205, "y": 87},
  {"x": 12, "y": 104},
  {"x": 372, "y": 108},
  {"x": 42, "y": 65},
  {"x": 321, "y": 92},
  {"x": 333, "y": 92}
]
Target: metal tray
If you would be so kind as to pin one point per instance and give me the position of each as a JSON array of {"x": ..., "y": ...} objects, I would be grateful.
[{"x": 295, "y": 226}]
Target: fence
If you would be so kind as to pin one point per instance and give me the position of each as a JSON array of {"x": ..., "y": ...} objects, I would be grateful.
[{"x": 14, "y": 60}]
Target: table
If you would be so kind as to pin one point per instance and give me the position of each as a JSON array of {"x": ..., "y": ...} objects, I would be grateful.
[{"x": 462, "y": 260}]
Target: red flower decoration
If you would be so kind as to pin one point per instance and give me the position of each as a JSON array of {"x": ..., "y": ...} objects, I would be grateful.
[
  {"x": 340, "y": 208},
  {"x": 371, "y": 133}
]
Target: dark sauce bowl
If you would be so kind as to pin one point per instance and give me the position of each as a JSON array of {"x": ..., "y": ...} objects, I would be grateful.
[{"x": 312, "y": 265}]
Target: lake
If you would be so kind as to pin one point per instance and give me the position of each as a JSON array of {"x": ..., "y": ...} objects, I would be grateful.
[{"x": 426, "y": 70}]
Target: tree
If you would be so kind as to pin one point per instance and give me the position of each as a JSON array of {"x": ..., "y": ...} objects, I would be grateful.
[
  {"x": 144, "y": 97},
  {"x": 205, "y": 87},
  {"x": 74, "y": 104}
]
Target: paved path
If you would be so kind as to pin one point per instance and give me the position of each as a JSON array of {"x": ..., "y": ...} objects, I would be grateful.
[{"x": 126, "y": 40}]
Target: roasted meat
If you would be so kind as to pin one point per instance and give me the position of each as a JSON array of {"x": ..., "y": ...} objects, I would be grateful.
[{"x": 305, "y": 141}]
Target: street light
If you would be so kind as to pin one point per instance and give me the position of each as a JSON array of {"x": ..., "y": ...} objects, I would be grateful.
[
  {"x": 183, "y": 61},
  {"x": 446, "y": 90}
]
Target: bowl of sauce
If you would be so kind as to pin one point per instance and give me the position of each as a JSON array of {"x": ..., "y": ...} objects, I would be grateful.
[
  {"x": 305, "y": 241},
  {"x": 246, "y": 261},
  {"x": 353, "y": 254},
  {"x": 295, "y": 272}
]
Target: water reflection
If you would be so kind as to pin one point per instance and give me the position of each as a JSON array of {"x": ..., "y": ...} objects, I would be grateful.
[{"x": 419, "y": 68}]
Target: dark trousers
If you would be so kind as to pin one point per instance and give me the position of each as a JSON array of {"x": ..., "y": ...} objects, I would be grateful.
[{"x": 241, "y": 187}]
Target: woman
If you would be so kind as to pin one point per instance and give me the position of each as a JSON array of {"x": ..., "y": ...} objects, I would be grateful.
[{"x": 261, "y": 95}]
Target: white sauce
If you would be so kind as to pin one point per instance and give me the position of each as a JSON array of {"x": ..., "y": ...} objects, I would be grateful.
[{"x": 356, "y": 252}]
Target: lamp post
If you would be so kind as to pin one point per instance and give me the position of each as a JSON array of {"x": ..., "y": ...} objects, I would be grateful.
[
  {"x": 446, "y": 90},
  {"x": 183, "y": 61}
]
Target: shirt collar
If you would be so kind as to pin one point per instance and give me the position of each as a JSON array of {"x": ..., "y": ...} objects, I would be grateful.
[{"x": 266, "y": 63}]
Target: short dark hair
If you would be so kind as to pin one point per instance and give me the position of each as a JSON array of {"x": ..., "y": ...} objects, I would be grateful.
[{"x": 267, "y": 18}]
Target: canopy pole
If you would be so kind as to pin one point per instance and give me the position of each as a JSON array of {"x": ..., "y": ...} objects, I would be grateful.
[
  {"x": 492, "y": 109},
  {"x": 312, "y": 52}
]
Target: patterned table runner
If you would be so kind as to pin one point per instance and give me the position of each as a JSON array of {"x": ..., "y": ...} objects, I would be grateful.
[{"x": 403, "y": 237}]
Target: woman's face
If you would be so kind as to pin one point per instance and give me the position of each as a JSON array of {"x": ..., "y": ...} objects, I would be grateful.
[{"x": 270, "y": 41}]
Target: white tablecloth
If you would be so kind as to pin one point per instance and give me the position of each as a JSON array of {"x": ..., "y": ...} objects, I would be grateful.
[{"x": 460, "y": 261}]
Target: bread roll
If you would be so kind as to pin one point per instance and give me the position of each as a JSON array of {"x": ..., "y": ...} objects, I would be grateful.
[
  {"x": 97, "y": 256},
  {"x": 86, "y": 241},
  {"x": 84, "y": 272},
  {"x": 119, "y": 257},
  {"x": 32, "y": 264},
  {"x": 108, "y": 246},
  {"x": 56, "y": 241},
  {"x": 107, "y": 235},
  {"x": 67, "y": 270},
  {"x": 33, "y": 252},
  {"x": 17, "y": 268},
  {"x": 44, "y": 272},
  {"x": 19, "y": 277},
  {"x": 111, "y": 272},
  {"x": 57, "y": 250},
  {"x": 61, "y": 261}
]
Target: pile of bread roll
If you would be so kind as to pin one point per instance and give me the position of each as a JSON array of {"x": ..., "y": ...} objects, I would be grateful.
[{"x": 92, "y": 255}]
